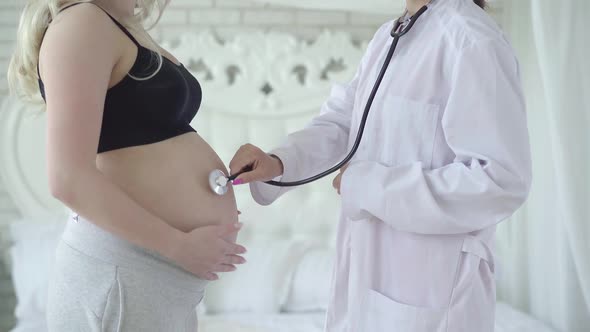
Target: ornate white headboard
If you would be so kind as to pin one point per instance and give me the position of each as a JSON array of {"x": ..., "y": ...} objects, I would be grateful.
[{"x": 257, "y": 88}]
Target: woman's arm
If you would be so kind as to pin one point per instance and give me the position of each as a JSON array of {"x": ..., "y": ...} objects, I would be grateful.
[
  {"x": 79, "y": 53},
  {"x": 485, "y": 125}
]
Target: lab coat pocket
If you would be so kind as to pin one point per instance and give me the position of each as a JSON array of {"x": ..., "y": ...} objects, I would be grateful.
[
  {"x": 408, "y": 129},
  {"x": 474, "y": 294},
  {"x": 480, "y": 250},
  {"x": 474, "y": 253},
  {"x": 382, "y": 314}
]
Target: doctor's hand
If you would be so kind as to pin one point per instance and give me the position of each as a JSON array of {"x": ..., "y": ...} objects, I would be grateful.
[
  {"x": 338, "y": 179},
  {"x": 265, "y": 167}
]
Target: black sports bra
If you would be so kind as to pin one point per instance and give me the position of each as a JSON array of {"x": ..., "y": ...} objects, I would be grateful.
[{"x": 145, "y": 108}]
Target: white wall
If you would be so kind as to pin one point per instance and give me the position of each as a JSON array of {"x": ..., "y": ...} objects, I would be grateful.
[{"x": 225, "y": 17}]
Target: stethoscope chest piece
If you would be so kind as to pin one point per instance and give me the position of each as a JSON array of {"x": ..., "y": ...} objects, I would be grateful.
[{"x": 218, "y": 182}]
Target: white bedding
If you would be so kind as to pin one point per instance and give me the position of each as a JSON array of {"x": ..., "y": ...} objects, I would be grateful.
[
  {"x": 304, "y": 287},
  {"x": 312, "y": 322},
  {"x": 507, "y": 320}
]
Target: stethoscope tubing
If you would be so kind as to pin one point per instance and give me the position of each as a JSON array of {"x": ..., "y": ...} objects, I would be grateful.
[{"x": 396, "y": 37}]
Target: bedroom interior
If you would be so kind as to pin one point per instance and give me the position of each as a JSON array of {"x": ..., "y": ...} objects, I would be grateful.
[{"x": 269, "y": 64}]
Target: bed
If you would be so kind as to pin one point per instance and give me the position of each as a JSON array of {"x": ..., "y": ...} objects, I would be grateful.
[
  {"x": 508, "y": 320},
  {"x": 258, "y": 86}
]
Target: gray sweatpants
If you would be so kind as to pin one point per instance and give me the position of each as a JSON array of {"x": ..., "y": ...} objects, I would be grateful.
[{"x": 102, "y": 283}]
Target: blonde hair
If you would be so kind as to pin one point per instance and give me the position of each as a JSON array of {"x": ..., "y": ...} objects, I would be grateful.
[{"x": 35, "y": 19}]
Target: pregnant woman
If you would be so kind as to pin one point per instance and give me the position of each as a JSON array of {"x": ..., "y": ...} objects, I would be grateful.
[{"x": 147, "y": 233}]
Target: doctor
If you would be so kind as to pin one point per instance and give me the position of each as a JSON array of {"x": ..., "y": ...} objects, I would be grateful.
[{"x": 444, "y": 159}]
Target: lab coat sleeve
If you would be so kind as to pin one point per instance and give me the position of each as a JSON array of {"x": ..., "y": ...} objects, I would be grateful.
[
  {"x": 323, "y": 142},
  {"x": 484, "y": 123},
  {"x": 318, "y": 146}
]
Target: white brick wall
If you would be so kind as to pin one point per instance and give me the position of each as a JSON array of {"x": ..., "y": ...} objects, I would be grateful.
[{"x": 224, "y": 17}]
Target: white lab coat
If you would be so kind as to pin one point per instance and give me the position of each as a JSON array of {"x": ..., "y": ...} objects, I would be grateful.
[{"x": 445, "y": 157}]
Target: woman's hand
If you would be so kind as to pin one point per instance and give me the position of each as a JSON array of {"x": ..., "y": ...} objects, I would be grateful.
[
  {"x": 338, "y": 179},
  {"x": 264, "y": 167},
  {"x": 206, "y": 252}
]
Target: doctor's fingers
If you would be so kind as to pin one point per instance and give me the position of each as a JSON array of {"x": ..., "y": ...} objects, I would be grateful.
[
  {"x": 245, "y": 156},
  {"x": 336, "y": 182},
  {"x": 246, "y": 150},
  {"x": 260, "y": 173}
]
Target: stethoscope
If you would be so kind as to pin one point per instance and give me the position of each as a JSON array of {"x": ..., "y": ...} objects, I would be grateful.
[{"x": 219, "y": 181}]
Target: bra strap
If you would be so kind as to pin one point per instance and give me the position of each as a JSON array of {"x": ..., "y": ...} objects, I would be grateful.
[{"x": 125, "y": 31}]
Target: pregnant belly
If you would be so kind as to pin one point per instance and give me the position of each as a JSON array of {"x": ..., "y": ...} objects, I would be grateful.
[{"x": 170, "y": 179}]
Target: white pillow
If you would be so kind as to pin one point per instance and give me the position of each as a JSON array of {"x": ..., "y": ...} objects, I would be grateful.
[
  {"x": 262, "y": 284},
  {"x": 310, "y": 288},
  {"x": 32, "y": 256}
]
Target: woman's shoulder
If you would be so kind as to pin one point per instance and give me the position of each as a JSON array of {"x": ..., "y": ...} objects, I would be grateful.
[
  {"x": 82, "y": 21},
  {"x": 83, "y": 31}
]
